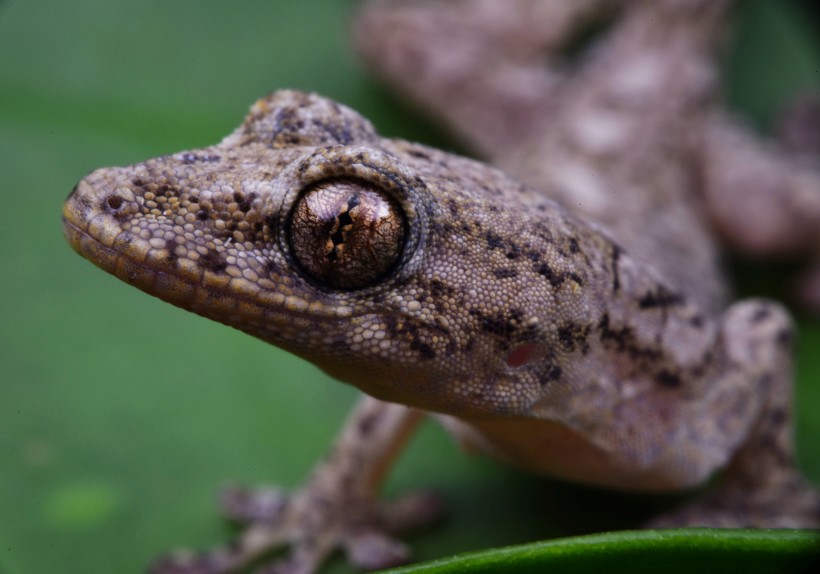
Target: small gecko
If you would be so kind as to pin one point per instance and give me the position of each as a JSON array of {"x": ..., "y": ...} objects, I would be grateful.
[{"x": 564, "y": 311}]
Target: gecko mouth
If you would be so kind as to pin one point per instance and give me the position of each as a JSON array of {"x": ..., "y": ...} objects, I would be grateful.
[
  {"x": 168, "y": 287},
  {"x": 211, "y": 295}
]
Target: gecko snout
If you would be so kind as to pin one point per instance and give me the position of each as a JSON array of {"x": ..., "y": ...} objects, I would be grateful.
[
  {"x": 93, "y": 216},
  {"x": 95, "y": 208}
]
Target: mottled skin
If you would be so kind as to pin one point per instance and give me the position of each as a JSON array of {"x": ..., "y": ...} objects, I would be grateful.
[{"x": 584, "y": 339}]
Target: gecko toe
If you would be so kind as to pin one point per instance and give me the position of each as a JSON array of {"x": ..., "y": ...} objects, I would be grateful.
[
  {"x": 313, "y": 525},
  {"x": 375, "y": 551},
  {"x": 243, "y": 505},
  {"x": 792, "y": 503}
]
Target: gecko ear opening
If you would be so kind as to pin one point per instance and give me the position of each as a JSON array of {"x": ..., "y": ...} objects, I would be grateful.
[{"x": 346, "y": 234}]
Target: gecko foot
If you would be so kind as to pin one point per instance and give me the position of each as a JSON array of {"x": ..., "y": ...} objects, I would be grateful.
[
  {"x": 792, "y": 504},
  {"x": 313, "y": 523}
]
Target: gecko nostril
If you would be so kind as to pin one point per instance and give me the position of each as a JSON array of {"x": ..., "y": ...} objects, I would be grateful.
[{"x": 114, "y": 202}]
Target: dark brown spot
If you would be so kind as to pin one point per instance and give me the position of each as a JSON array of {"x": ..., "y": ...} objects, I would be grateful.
[
  {"x": 623, "y": 339},
  {"x": 214, "y": 261},
  {"x": 661, "y": 297},
  {"x": 761, "y": 314},
  {"x": 785, "y": 338},
  {"x": 273, "y": 224},
  {"x": 367, "y": 423},
  {"x": 533, "y": 256},
  {"x": 425, "y": 350},
  {"x": 778, "y": 417},
  {"x": 505, "y": 273},
  {"x": 170, "y": 246},
  {"x": 513, "y": 253},
  {"x": 494, "y": 241},
  {"x": 501, "y": 325},
  {"x": 573, "y": 336},
  {"x": 614, "y": 258},
  {"x": 546, "y": 271},
  {"x": 167, "y": 190},
  {"x": 419, "y": 154},
  {"x": 553, "y": 373},
  {"x": 452, "y": 205},
  {"x": 439, "y": 290},
  {"x": 668, "y": 379}
]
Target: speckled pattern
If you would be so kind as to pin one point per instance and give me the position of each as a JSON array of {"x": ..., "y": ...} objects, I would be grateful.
[{"x": 572, "y": 325}]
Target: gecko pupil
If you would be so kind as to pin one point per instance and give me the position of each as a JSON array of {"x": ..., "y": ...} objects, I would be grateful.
[
  {"x": 344, "y": 223},
  {"x": 346, "y": 234}
]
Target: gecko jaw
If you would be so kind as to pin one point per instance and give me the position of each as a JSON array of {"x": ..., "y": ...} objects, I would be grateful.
[{"x": 181, "y": 282}]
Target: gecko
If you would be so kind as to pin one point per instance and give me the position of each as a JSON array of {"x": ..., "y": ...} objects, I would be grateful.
[{"x": 557, "y": 304}]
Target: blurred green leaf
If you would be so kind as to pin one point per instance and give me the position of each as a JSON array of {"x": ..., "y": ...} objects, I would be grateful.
[{"x": 646, "y": 551}]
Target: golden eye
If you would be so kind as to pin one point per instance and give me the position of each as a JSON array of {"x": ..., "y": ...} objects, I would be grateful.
[{"x": 347, "y": 234}]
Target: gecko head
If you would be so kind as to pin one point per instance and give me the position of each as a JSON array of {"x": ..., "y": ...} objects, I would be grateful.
[
  {"x": 306, "y": 229},
  {"x": 285, "y": 229},
  {"x": 295, "y": 205}
]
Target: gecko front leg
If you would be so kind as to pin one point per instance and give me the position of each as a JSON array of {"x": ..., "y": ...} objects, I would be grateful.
[
  {"x": 764, "y": 199},
  {"x": 761, "y": 486},
  {"x": 501, "y": 61},
  {"x": 337, "y": 509}
]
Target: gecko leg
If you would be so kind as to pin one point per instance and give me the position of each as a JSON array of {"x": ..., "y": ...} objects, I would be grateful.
[
  {"x": 336, "y": 509},
  {"x": 761, "y": 487},
  {"x": 798, "y": 130},
  {"x": 499, "y": 60},
  {"x": 765, "y": 201}
]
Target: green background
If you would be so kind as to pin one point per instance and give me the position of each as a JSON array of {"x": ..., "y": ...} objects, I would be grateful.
[{"x": 120, "y": 415}]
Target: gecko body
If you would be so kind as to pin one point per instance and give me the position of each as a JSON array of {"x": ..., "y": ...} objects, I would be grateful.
[{"x": 566, "y": 315}]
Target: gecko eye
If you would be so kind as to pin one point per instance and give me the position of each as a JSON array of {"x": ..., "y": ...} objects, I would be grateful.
[{"x": 346, "y": 234}]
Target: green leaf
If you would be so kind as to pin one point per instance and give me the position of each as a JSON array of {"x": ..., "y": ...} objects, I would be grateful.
[{"x": 647, "y": 551}]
